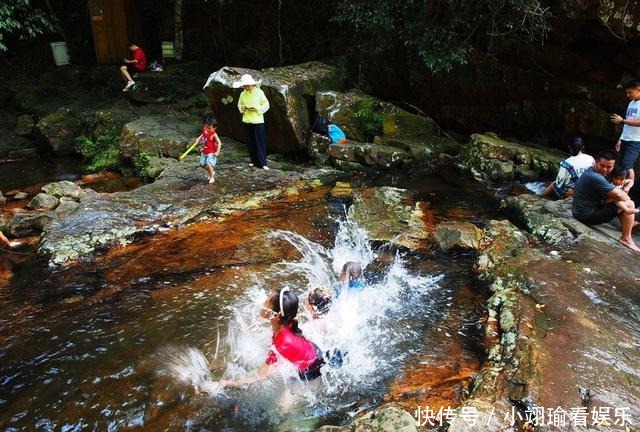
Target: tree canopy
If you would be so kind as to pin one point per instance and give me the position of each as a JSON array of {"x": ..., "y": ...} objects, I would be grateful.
[
  {"x": 441, "y": 32},
  {"x": 21, "y": 19}
]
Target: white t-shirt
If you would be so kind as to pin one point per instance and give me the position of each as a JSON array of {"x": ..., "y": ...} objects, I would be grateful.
[
  {"x": 632, "y": 133},
  {"x": 570, "y": 171}
]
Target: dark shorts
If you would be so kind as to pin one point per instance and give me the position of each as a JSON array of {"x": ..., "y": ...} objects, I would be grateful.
[
  {"x": 599, "y": 215},
  {"x": 629, "y": 151},
  {"x": 313, "y": 371}
]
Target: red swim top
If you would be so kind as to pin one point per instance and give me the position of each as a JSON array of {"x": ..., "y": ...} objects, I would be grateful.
[
  {"x": 209, "y": 144},
  {"x": 294, "y": 348},
  {"x": 142, "y": 60}
]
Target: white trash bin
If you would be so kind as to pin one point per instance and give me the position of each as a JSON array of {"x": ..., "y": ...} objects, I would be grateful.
[{"x": 60, "y": 53}]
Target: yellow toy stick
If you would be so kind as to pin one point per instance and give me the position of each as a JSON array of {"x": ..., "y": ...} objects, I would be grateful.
[{"x": 184, "y": 155}]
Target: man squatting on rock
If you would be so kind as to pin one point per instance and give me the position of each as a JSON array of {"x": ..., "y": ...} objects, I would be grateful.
[{"x": 594, "y": 197}]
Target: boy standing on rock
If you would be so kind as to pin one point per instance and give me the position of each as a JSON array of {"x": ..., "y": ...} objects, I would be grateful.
[
  {"x": 629, "y": 143},
  {"x": 210, "y": 146}
]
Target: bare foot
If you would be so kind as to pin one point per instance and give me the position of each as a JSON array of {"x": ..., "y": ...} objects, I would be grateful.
[
  {"x": 212, "y": 179},
  {"x": 630, "y": 244}
]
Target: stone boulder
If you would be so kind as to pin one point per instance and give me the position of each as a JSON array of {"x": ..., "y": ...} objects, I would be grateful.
[
  {"x": 157, "y": 136},
  {"x": 63, "y": 188},
  {"x": 495, "y": 159},
  {"x": 24, "y": 125},
  {"x": 155, "y": 166},
  {"x": 317, "y": 147},
  {"x": 389, "y": 213},
  {"x": 458, "y": 235},
  {"x": 180, "y": 195},
  {"x": 362, "y": 116},
  {"x": 58, "y": 131},
  {"x": 44, "y": 201},
  {"x": 368, "y": 154},
  {"x": 397, "y": 137},
  {"x": 383, "y": 419},
  {"x": 290, "y": 91},
  {"x": 66, "y": 207},
  {"x": 26, "y": 224},
  {"x": 3, "y": 200}
]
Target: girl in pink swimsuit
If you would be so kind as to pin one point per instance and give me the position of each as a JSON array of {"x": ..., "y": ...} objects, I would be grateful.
[{"x": 281, "y": 309}]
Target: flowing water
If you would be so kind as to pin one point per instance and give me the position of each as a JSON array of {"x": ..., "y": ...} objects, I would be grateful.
[{"x": 141, "y": 338}]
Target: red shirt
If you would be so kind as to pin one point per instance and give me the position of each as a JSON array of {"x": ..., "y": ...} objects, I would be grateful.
[
  {"x": 292, "y": 347},
  {"x": 209, "y": 144},
  {"x": 142, "y": 60}
]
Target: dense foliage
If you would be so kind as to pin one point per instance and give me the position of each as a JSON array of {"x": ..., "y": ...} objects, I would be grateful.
[
  {"x": 102, "y": 153},
  {"x": 21, "y": 19},
  {"x": 441, "y": 32}
]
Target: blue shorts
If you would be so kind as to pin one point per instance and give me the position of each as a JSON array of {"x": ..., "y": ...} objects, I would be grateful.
[
  {"x": 629, "y": 151},
  {"x": 208, "y": 159}
]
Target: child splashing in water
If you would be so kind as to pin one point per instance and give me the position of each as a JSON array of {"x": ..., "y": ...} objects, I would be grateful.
[
  {"x": 351, "y": 276},
  {"x": 288, "y": 343}
]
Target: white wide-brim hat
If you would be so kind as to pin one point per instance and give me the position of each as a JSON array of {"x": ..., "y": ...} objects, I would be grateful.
[{"x": 245, "y": 80}]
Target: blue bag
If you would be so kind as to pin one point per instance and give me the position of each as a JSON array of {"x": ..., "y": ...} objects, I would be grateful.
[{"x": 336, "y": 134}]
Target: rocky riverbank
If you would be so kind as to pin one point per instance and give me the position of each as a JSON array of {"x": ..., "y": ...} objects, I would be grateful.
[{"x": 562, "y": 321}]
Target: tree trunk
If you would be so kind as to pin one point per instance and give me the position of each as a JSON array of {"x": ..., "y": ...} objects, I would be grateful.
[
  {"x": 279, "y": 33},
  {"x": 56, "y": 22},
  {"x": 177, "y": 12}
]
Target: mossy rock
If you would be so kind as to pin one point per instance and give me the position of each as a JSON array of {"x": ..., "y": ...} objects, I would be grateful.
[
  {"x": 58, "y": 130},
  {"x": 497, "y": 159},
  {"x": 362, "y": 117}
]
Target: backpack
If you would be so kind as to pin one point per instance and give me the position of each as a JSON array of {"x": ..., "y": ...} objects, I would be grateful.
[{"x": 321, "y": 125}]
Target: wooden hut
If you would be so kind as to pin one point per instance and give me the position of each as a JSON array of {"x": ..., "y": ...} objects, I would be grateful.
[{"x": 114, "y": 23}]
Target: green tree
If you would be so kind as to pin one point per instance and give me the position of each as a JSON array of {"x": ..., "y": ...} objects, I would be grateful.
[
  {"x": 441, "y": 32},
  {"x": 20, "y": 18}
]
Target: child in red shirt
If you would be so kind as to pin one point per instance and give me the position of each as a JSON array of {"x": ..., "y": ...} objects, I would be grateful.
[
  {"x": 137, "y": 64},
  {"x": 288, "y": 344},
  {"x": 210, "y": 146}
]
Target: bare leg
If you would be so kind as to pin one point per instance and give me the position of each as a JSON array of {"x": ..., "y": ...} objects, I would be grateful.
[
  {"x": 627, "y": 221},
  {"x": 5, "y": 241},
  {"x": 210, "y": 172},
  {"x": 626, "y": 206},
  {"x": 125, "y": 74},
  {"x": 548, "y": 191}
]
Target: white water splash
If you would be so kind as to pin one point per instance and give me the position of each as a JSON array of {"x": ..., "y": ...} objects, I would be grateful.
[
  {"x": 191, "y": 367},
  {"x": 373, "y": 327}
]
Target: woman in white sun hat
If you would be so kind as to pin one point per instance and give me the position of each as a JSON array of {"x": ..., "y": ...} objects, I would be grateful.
[{"x": 253, "y": 104}]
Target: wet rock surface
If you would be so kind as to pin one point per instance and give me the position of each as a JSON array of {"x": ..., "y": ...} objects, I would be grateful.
[
  {"x": 495, "y": 159},
  {"x": 562, "y": 324},
  {"x": 383, "y": 419},
  {"x": 157, "y": 136},
  {"x": 390, "y": 214},
  {"x": 180, "y": 195}
]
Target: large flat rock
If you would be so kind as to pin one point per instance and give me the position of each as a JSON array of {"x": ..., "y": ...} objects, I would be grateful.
[
  {"x": 563, "y": 322},
  {"x": 290, "y": 91},
  {"x": 180, "y": 195}
]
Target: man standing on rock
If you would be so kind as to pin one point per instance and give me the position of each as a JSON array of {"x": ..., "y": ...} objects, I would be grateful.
[
  {"x": 252, "y": 103},
  {"x": 629, "y": 143},
  {"x": 592, "y": 189}
]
